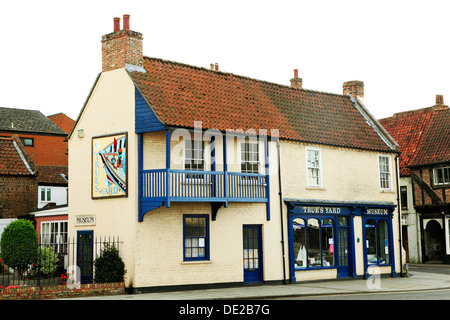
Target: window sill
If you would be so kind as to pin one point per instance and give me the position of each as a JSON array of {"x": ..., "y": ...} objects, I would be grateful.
[
  {"x": 315, "y": 188},
  {"x": 387, "y": 191},
  {"x": 196, "y": 262}
]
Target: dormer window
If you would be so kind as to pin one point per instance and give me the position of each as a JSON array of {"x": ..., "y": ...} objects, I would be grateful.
[{"x": 441, "y": 176}]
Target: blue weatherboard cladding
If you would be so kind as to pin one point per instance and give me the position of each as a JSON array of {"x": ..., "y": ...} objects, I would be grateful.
[{"x": 145, "y": 119}]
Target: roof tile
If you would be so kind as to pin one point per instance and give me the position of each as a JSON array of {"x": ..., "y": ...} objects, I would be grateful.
[{"x": 181, "y": 94}]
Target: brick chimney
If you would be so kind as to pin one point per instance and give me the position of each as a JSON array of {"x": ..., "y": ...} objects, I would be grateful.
[
  {"x": 439, "y": 99},
  {"x": 354, "y": 88},
  {"x": 296, "y": 82},
  {"x": 122, "y": 47}
]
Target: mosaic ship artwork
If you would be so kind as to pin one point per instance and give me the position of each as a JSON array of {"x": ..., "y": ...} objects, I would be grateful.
[{"x": 109, "y": 166}]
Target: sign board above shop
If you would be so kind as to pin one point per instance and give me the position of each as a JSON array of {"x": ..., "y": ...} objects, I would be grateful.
[
  {"x": 339, "y": 208},
  {"x": 327, "y": 210}
]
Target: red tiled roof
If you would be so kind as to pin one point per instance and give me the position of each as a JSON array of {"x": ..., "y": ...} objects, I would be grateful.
[
  {"x": 14, "y": 158},
  {"x": 52, "y": 175},
  {"x": 434, "y": 146},
  {"x": 409, "y": 129},
  {"x": 181, "y": 94}
]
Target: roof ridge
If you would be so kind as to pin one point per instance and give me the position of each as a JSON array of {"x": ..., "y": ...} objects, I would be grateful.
[
  {"x": 244, "y": 77},
  {"x": 431, "y": 108}
]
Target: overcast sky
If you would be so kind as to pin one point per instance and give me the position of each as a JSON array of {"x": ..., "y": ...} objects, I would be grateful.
[{"x": 51, "y": 50}]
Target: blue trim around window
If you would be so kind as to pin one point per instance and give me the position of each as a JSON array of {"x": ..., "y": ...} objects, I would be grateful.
[{"x": 201, "y": 241}]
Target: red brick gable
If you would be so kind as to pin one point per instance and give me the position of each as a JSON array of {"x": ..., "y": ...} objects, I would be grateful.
[{"x": 181, "y": 94}]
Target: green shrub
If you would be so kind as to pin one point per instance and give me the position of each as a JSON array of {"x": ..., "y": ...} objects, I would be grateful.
[
  {"x": 48, "y": 263},
  {"x": 19, "y": 245},
  {"x": 109, "y": 266}
]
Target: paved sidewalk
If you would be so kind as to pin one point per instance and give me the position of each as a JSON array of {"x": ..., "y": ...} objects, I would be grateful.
[{"x": 417, "y": 281}]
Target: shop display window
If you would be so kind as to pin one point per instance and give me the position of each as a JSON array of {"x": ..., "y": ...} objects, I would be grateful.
[
  {"x": 313, "y": 243},
  {"x": 377, "y": 241}
]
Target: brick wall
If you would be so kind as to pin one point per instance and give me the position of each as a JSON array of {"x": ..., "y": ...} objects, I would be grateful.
[
  {"x": 47, "y": 149},
  {"x": 61, "y": 291},
  {"x": 18, "y": 195}
]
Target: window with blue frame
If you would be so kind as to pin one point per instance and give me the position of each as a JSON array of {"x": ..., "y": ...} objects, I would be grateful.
[
  {"x": 313, "y": 243},
  {"x": 196, "y": 237},
  {"x": 377, "y": 241}
]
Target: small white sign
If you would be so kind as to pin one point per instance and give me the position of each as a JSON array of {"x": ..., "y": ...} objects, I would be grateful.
[{"x": 85, "y": 220}]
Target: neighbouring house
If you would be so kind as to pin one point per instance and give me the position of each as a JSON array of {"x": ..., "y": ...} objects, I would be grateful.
[
  {"x": 18, "y": 182},
  {"x": 212, "y": 179},
  {"x": 43, "y": 143},
  {"x": 423, "y": 136}
]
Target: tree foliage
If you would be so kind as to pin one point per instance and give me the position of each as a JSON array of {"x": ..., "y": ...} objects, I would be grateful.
[{"x": 19, "y": 245}]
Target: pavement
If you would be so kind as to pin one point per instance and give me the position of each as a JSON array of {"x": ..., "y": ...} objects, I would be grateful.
[{"x": 418, "y": 279}]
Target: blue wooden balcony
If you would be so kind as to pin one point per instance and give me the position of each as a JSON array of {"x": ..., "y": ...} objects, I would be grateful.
[
  {"x": 164, "y": 186},
  {"x": 171, "y": 185}
]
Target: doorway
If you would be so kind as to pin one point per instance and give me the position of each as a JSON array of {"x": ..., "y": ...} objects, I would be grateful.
[
  {"x": 85, "y": 255},
  {"x": 343, "y": 229},
  {"x": 434, "y": 241},
  {"x": 252, "y": 254}
]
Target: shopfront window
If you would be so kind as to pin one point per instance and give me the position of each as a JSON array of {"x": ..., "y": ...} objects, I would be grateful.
[
  {"x": 327, "y": 242},
  {"x": 377, "y": 241},
  {"x": 313, "y": 243},
  {"x": 299, "y": 243}
]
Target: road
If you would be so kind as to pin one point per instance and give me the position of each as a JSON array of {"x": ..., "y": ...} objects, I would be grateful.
[
  {"x": 437, "y": 294},
  {"x": 443, "y": 294}
]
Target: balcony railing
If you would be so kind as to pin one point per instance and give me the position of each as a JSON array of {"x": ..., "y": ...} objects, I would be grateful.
[{"x": 203, "y": 186}]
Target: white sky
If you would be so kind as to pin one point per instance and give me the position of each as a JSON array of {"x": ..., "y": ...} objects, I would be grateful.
[{"x": 51, "y": 52}]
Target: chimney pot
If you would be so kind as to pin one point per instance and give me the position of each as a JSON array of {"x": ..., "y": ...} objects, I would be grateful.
[
  {"x": 116, "y": 24},
  {"x": 217, "y": 66},
  {"x": 295, "y": 73},
  {"x": 126, "y": 22},
  {"x": 439, "y": 99},
  {"x": 120, "y": 49}
]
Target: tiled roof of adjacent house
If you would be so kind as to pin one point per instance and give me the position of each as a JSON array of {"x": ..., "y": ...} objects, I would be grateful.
[
  {"x": 21, "y": 120},
  {"x": 51, "y": 175},
  {"x": 181, "y": 94},
  {"x": 14, "y": 159},
  {"x": 434, "y": 147},
  {"x": 421, "y": 134}
]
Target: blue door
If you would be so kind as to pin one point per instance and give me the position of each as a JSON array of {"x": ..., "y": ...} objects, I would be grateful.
[
  {"x": 344, "y": 265},
  {"x": 85, "y": 255},
  {"x": 253, "y": 266}
]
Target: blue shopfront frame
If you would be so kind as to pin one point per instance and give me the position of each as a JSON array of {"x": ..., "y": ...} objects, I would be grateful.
[
  {"x": 378, "y": 214},
  {"x": 320, "y": 209}
]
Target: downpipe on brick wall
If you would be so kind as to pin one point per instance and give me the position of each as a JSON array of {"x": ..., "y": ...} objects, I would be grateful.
[
  {"x": 399, "y": 216},
  {"x": 280, "y": 193}
]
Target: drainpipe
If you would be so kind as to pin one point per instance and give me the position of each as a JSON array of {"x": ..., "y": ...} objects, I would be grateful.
[
  {"x": 399, "y": 214},
  {"x": 280, "y": 193}
]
